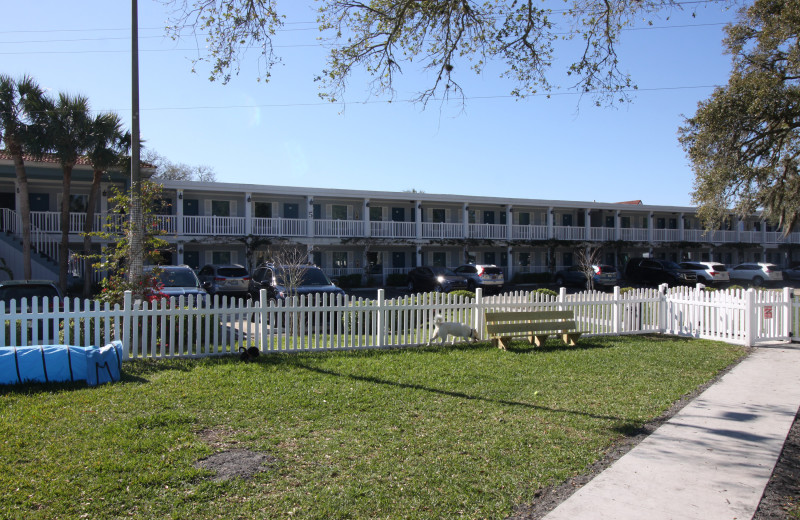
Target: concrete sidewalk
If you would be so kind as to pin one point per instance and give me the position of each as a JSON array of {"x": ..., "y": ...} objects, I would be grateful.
[{"x": 712, "y": 460}]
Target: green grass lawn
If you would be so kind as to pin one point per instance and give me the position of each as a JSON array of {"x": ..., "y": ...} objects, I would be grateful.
[{"x": 464, "y": 432}]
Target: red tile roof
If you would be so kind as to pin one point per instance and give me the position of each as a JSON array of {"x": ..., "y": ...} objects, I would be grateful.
[{"x": 632, "y": 202}]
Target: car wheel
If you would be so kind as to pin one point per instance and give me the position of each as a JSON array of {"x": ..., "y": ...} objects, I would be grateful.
[
  {"x": 471, "y": 286},
  {"x": 757, "y": 281},
  {"x": 559, "y": 281},
  {"x": 439, "y": 289},
  {"x": 410, "y": 286}
]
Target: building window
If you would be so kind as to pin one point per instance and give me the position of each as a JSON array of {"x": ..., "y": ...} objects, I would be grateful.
[
  {"x": 673, "y": 223},
  {"x": 524, "y": 219},
  {"x": 339, "y": 259},
  {"x": 524, "y": 259},
  {"x": 78, "y": 203},
  {"x": 338, "y": 212},
  {"x": 263, "y": 210},
  {"x": 439, "y": 259},
  {"x": 439, "y": 215},
  {"x": 376, "y": 213},
  {"x": 471, "y": 216},
  {"x": 625, "y": 222},
  {"x": 220, "y": 257}
]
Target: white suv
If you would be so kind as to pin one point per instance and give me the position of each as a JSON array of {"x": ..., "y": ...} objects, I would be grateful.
[
  {"x": 756, "y": 273},
  {"x": 487, "y": 276},
  {"x": 708, "y": 272}
]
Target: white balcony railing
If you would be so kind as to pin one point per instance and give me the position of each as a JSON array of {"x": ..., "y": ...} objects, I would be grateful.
[
  {"x": 529, "y": 232},
  {"x": 226, "y": 226},
  {"x": 487, "y": 231},
  {"x": 279, "y": 227},
  {"x": 601, "y": 234},
  {"x": 393, "y": 229},
  {"x": 442, "y": 230},
  {"x": 338, "y": 228},
  {"x": 667, "y": 235},
  {"x": 569, "y": 232},
  {"x": 633, "y": 234}
]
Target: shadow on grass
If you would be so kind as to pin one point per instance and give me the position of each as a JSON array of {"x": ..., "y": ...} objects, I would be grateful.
[
  {"x": 523, "y": 347},
  {"x": 452, "y": 393}
]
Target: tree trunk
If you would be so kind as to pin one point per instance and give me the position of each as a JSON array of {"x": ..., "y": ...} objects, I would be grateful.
[
  {"x": 24, "y": 208},
  {"x": 63, "y": 253},
  {"x": 88, "y": 227}
]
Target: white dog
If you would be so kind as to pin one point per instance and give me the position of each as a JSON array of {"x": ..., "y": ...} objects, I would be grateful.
[{"x": 443, "y": 329}]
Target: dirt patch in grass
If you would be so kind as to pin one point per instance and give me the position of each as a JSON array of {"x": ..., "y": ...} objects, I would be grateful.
[{"x": 232, "y": 462}]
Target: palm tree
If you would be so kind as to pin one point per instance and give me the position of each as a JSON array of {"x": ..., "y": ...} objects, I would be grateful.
[
  {"x": 108, "y": 144},
  {"x": 65, "y": 127},
  {"x": 16, "y": 99}
]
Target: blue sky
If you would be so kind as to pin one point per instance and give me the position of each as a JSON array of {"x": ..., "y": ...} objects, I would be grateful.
[{"x": 281, "y": 133}]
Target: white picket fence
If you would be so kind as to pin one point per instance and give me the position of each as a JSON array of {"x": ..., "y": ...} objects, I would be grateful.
[{"x": 182, "y": 328}]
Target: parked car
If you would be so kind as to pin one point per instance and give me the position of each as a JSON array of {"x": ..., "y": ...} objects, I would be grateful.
[
  {"x": 488, "y": 277},
  {"x": 708, "y": 272},
  {"x": 233, "y": 280},
  {"x": 277, "y": 280},
  {"x": 18, "y": 290},
  {"x": 179, "y": 280},
  {"x": 439, "y": 279},
  {"x": 651, "y": 271},
  {"x": 604, "y": 276},
  {"x": 756, "y": 273},
  {"x": 792, "y": 273}
]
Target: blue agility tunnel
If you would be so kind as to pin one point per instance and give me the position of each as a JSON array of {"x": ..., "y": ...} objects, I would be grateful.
[{"x": 61, "y": 363}]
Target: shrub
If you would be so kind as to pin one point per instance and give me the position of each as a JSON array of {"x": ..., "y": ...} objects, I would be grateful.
[
  {"x": 466, "y": 294},
  {"x": 546, "y": 292}
]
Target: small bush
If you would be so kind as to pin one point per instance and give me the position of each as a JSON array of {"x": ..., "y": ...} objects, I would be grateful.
[
  {"x": 547, "y": 292},
  {"x": 466, "y": 294}
]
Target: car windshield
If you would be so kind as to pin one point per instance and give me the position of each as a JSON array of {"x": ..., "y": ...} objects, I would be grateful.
[
  {"x": 19, "y": 292},
  {"x": 177, "y": 278},
  {"x": 442, "y": 271},
  {"x": 305, "y": 277},
  {"x": 670, "y": 265},
  {"x": 232, "y": 272}
]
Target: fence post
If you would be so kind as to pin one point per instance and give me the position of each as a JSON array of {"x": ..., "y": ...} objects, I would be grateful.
[
  {"x": 787, "y": 305},
  {"x": 477, "y": 315},
  {"x": 127, "y": 318},
  {"x": 750, "y": 318},
  {"x": 562, "y": 296},
  {"x": 662, "y": 312},
  {"x": 381, "y": 322},
  {"x": 617, "y": 315},
  {"x": 262, "y": 335}
]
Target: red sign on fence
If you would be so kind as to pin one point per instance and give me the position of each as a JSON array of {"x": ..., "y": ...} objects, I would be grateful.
[{"x": 767, "y": 313}]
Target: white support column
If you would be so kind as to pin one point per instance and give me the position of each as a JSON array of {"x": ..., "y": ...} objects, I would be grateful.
[
  {"x": 510, "y": 263},
  {"x": 465, "y": 221},
  {"x": 248, "y": 214},
  {"x": 618, "y": 225},
  {"x": 418, "y": 218},
  {"x": 509, "y": 223},
  {"x": 550, "y": 217},
  {"x": 680, "y": 226},
  {"x": 587, "y": 224},
  {"x": 365, "y": 219},
  {"x": 179, "y": 227},
  {"x": 310, "y": 253},
  {"x": 650, "y": 225},
  {"x": 309, "y": 216}
]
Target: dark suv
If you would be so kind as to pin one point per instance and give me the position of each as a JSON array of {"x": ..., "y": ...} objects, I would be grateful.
[
  {"x": 278, "y": 279},
  {"x": 28, "y": 289},
  {"x": 650, "y": 271}
]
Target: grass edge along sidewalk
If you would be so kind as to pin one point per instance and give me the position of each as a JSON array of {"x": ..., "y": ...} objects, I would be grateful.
[{"x": 442, "y": 432}]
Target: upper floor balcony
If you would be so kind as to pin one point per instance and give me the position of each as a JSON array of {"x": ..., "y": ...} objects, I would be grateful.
[{"x": 198, "y": 226}]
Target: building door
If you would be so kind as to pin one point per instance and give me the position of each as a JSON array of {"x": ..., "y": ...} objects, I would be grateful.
[
  {"x": 191, "y": 207},
  {"x": 398, "y": 214},
  {"x": 192, "y": 259},
  {"x": 488, "y": 217},
  {"x": 291, "y": 210},
  {"x": 398, "y": 260}
]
